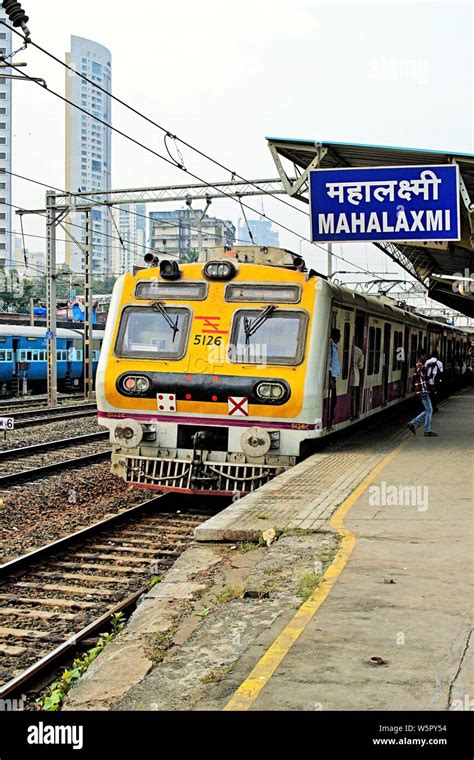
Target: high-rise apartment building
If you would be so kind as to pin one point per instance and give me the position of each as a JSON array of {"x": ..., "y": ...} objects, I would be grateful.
[
  {"x": 88, "y": 147},
  {"x": 6, "y": 236}
]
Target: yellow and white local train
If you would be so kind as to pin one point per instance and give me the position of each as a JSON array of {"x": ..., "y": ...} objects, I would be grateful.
[{"x": 214, "y": 376}]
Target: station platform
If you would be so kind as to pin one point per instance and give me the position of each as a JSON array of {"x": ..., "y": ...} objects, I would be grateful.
[{"x": 364, "y": 601}]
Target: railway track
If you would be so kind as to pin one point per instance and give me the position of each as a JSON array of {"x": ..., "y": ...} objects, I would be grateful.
[
  {"x": 42, "y": 448},
  {"x": 33, "y": 473},
  {"x": 65, "y": 592},
  {"x": 31, "y": 417},
  {"x": 21, "y": 402}
]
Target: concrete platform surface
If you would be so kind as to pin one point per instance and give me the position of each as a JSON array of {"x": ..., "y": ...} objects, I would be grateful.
[{"x": 394, "y": 631}]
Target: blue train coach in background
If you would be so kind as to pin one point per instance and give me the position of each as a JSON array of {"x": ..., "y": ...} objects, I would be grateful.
[{"x": 23, "y": 358}]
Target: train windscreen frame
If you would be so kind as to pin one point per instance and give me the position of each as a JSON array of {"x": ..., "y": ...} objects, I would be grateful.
[
  {"x": 280, "y": 339},
  {"x": 153, "y": 334}
]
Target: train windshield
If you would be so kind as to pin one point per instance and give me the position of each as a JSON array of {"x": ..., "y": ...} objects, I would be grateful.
[
  {"x": 268, "y": 336},
  {"x": 152, "y": 333}
]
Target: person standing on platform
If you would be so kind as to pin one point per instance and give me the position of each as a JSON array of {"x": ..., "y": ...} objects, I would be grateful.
[
  {"x": 434, "y": 370},
  {"x": 421, "y": 388},
  {"x": 334, "y": 372},
  {"x": 358, "y": 366}
]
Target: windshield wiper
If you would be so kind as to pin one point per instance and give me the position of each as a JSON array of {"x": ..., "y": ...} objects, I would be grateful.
[
  {"x": 158, "y": 306},
  {"x": 252, "y": 325}
]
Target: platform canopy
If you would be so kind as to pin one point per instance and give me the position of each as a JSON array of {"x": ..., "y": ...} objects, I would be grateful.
[{"x": 432, "y": 263}]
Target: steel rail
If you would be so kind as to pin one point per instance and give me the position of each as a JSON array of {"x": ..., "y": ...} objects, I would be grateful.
[
  {"x": 38, "y": 555},
  {"x": 46, "y": 419},
  {"x": 31, "y": 674},
  {"x": 38, "y": 448},
  {"x": 48, "y": 411},
  {"x": 49, "y": 469}
]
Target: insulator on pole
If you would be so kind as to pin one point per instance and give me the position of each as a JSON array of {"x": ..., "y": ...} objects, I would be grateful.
[{"x": 16, "y": 14}]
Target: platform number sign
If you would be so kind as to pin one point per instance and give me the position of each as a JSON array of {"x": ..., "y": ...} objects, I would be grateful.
[{"x": 7, "y": 423}]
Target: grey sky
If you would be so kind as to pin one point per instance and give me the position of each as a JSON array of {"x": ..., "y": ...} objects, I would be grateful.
[{"x": 223, "y": 76}]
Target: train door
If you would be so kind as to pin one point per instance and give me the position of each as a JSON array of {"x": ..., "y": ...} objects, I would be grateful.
[
  {"x": 360, "y": 342},
  {"x": 406, "y": 360},
  {"x": 329, "y": 392},
  {"x": 387, "y": 337}
]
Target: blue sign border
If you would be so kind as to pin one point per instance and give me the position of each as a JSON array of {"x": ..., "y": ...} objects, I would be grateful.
[{"x": 402, "y": 237}]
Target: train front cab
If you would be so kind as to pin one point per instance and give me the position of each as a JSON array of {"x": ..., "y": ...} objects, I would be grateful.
[{"x": 202, "y": 381}]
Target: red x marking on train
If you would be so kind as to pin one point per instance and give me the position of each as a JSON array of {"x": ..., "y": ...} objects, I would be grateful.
[
  {"x": 238, "y": 405},
  {"x": 213, "y": 323}
]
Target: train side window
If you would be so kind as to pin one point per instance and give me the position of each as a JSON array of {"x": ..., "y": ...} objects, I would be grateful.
[
  {"x": 9, "y": 356},
  {"x": 2, "y": 356},
  {"x": 378, "y": 343},
  {"x": 29, "y": 355},
  {"x": 346, "y": 350},
  {"x": 370, "y": 364}
]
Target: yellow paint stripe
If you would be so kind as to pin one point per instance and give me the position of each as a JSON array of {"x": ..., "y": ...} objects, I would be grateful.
[{"x": 249, "y": 690}]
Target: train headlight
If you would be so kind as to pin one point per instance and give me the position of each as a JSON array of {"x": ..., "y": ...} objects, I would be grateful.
[
  {"x": 270, "y": 391},
  {"x": 219, "y": 270},
  {"x": 136, "y": 384}
]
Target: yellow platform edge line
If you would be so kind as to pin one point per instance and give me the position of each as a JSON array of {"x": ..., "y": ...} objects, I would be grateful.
[{"x": 249, "y": 689}]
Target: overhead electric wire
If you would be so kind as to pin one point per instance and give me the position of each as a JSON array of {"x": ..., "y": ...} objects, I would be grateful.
[
  {"x": 81, "y": 227},
  {"x": 167, "y": 132},
  {"x": 107, "y": 204},
  {"x": 153, "y": 152},
  {"x": 162, "y": 157}
]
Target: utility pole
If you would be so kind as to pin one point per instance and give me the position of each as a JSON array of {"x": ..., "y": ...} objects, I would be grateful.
[
  {"x": 88, "y": 310},
  {"x": 51, "y": 299}
]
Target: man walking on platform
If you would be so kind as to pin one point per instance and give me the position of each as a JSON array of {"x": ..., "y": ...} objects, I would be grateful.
[
  {"x": 421, "y": 388},
  {"x": 434, "y": 369}
]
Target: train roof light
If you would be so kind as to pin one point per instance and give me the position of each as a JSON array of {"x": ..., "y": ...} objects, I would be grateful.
[
  {"x": 170, "y": 270},
  {"x": 219, "y": 270},
  {"x": 151, "y": 260}
]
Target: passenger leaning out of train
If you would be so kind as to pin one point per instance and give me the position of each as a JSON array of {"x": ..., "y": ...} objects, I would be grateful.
[
  {"x": 334, "y": 372},
  {"x": 434, "y": 374},
  {"x": 420, "y": 383}
]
